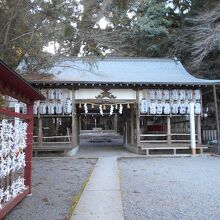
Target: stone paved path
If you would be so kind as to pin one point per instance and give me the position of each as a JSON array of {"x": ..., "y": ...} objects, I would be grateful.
[{"x": 101, "y": 198}]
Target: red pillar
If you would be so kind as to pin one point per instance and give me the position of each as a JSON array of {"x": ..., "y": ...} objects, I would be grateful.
[{"x": 28, "y": 150}]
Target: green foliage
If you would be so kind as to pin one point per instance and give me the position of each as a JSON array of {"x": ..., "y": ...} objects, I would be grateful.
[
  {"x": 149, "y": 29},
  {"x": 145, "y": 28}
]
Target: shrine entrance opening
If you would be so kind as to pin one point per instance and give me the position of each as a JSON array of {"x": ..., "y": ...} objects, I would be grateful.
[{"x": 105, "y": 129}]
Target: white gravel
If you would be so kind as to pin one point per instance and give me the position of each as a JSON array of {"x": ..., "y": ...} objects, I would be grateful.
[
  {"x": 56, "y": 182},
  {"x": 171, "y": 188}
]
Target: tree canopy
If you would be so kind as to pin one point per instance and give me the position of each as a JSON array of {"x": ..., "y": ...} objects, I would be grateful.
[{"x": 188, "y": 29}]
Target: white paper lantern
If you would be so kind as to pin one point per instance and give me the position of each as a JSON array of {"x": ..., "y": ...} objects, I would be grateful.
[
  {"x": 51, "y": 108},
  {"x": 51, "y": 94},
  {"x": 152, "y": 108},
  {"x": 182, "y": 108},
  {"x": 35, "y": 108},
  {"x": 159, "y": 94},
  {"x": 174, "y": 94},
  {"x": 144, "y": 107},
  {"x": 187, "y": 107},
  {"x": 189, "y": 94},
  {"x": 175, "y": 108},
  {"x": 43, "y": 107},
  {"x": 59, "y": 107},
  {"x": 198, "y": 108},
  {"x": 182, "y": 94},
  {"x": 166, "y": 94},
  {"x": 197, "y": 94},
  {"x": 68, "y": 106},
  {"x": 159, "y": 108},
  {"x": 59, "y": 94},
  {"x": 166, "y": 108},
  {"x": 152, "y": 94}
]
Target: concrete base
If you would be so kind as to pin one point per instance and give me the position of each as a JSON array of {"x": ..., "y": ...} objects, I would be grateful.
[
  {"x": 135, "y": 149},
  {"x": 193, "y": 151},
  {"x": 72, "y": 152}
]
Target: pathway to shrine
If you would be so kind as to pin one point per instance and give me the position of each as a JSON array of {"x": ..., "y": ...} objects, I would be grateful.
[{"x": 101, "y": 198}]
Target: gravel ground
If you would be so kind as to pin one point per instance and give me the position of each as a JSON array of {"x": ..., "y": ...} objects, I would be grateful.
[
  {"x": 56, "y": 182},
  {"x": 171, "y": 188}
]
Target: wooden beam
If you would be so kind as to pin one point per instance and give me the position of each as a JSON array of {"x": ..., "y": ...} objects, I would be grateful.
[
  {"x": 9, "y": 112},
  {"x": 199, "y": 133},
  {"x": 12, "y": 92},
  {"x": 216, "y": 118},
  {"x": 7, "y": 207},
  {"x": 28, "y": 149},
  {"x": 168, "y": 131}
]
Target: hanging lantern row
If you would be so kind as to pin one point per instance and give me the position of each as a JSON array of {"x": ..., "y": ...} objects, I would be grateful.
[
  {"x": 57, "y": 107},
  {"x": 52, "y": 108},
  {"x": 175, "y": 94},
  {"x": 159, "y": 108},
  {"x": 55, "y": 94}
]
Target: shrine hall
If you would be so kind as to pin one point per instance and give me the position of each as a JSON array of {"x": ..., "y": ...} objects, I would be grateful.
[{"x": 151, "y": 104}]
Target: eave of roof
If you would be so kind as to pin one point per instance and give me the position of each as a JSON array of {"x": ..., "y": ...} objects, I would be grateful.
[
  {"x": 80, "y": 83},
  {"x": 16, "y": 85}
]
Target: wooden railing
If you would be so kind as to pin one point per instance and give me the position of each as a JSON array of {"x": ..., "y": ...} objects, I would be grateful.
[
  {"x": 58, "y": 139},
  {"x": 162, "y": 138}
]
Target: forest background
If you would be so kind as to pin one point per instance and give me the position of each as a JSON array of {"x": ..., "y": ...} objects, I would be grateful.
[{"x": 186, "y": 29}]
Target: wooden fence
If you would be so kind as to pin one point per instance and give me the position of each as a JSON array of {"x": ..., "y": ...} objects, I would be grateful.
[{"x": 209, "y": 135}]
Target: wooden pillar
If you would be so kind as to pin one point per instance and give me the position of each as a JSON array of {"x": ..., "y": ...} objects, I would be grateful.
[
  {"x": 28, "y": 150},
  {"x": 217, "y": 119},
  {"x": 40, "y": 130},
  {"x": 77, "y": 129},
  {"x": 199, "y": 133},
  {"x": 138, "y": 117},
  {"x": 168, "y": 131},
  {"x": 132, "y": 125},
  {"x": 80, "y": 123},
  {"x": 126, "y": 134},
  {"x": 74, "y": 121},
  {"x": 115, "y": 122}
]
